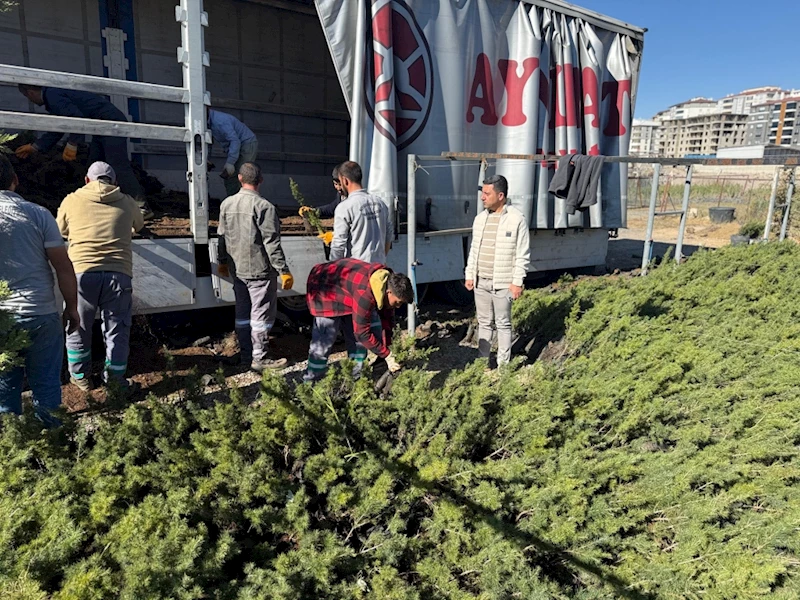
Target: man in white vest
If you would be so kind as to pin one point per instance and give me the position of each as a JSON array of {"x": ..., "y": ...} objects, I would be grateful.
[{"x": 498, "y": 262}]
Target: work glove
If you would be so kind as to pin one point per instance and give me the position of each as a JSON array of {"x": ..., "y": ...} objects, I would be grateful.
[
  {"x": 223, "y": 270},
  {"x": 326, "y": 237},
  {"x": 25, "y": 151},
  {"x": 394, "y": 366},
  {"x": 306, "y": 209},
  {"x": 227, "y": 171},
  {"x": 287, "y": 281},
  {"x": 70, "y": 153}
]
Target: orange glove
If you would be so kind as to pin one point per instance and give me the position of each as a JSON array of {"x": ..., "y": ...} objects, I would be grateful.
[
  {"x": 223, "y": 270},
  {"x": 287, "y": 281},
  {"x": 305, "y": 209},
  {"x": 25, "y": 151},
  {"x": 70, "y": 152},
  {"x": 326, "y": 237}
]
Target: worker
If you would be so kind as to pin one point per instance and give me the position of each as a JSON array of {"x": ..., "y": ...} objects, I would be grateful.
[
  {"x": 237, "y": 140},
  {"x": 32, "y": 245},
  {"x": 250, "y": 252},
  {"x": 328, "y": 210},
  {"x": 111, "y": 149},
  {"x": 498, "y": 262},
  {"x": 98, "y": 220},
  {"x": 361, "y": 221},
  {"x": 357, "y": 297}
]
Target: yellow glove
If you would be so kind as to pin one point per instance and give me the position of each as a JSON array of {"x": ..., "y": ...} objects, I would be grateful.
[
  {"x": 287, "y": 281},
  {"x": 305, "y": 209},
  {"x": 326, "y": 237},
  {"x": 223, "y": 270},
  {"x": 26, "y": 150},
  {"x": 70, "y": 152}
]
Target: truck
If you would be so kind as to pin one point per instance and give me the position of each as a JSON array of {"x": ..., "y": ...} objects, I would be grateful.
[{"x": 374, "y": 81}]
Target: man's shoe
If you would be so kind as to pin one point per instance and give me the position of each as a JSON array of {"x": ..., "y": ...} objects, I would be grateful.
[
  {"x": 84, "y": 385},
  {"x": 266, "y": 364}
]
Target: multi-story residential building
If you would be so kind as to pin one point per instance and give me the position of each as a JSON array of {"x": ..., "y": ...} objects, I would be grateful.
[
  {"x": 776, "y": 122},
  {"x": 686, "y": 110},
  {"x": 743, "y": 102},
  {"x": 703, "y": 134},
  {"x": 646, "y": 138}
]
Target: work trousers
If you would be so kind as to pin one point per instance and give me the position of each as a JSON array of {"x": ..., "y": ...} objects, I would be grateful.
[
  {"x": 114, "y": 151},
  {"x": 256, "y": 309},
  {"x": 112, "y": 294},
  {"x": 493, "y": 309},
  {"x": 41, "y": 364},
  {"x": 247, "y": 153},
  {"x": 323, "y": 337}
]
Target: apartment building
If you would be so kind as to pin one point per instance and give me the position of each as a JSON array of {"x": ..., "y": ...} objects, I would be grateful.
[
  {"x": 646, "y": 138},
  {"x": 744, "y": 102},
  {"x": 689, "y": 109},
  {"x": 704, "y": 134},
  {"x": 776, "y": 122}
]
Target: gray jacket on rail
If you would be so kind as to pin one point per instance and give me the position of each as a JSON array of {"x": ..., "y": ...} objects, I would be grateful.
[
  {"x": 250, "y": 236},
  {"x": 361, "y": 228}
]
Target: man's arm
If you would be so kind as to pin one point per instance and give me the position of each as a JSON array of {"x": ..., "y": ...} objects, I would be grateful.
[
  {"x": 341, "y": 233},
  {"x": 270, "y": 226},
  {"x": 61, "y": 220},
  {"x": 65, "y": 273},
  {"x": 362, "y": 325},
  {"x": 470, "y": 273},
  {"x": 523, "y": 254},
  {"x": 229, "y": 136},
  {"x": 328, "y": 210},
  {"x": 138, "y": 217},
  {"x": 59, "y": 104}
]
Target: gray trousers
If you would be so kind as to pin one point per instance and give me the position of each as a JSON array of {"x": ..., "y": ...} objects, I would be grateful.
[
  {"x": 493, "y": 308},
  {"x": 256, "y": 309},
  {"x": 247, "y": 153},
  {"x": 323, "y": 337},
  {"x": 112, "y": 293}
]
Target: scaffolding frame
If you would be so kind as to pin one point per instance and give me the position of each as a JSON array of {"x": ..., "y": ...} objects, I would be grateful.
[
  {"x": 193, "y": 95},
  {"x": 790, "y": 163}
]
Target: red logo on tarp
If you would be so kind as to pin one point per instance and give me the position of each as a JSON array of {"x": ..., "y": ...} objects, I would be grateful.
[{"x": 399, "y": 73}]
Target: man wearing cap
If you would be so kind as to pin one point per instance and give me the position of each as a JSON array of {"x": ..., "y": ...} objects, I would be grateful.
[
  {"x": 98, "y": 220},
  {"x": 498, "y": 262}
]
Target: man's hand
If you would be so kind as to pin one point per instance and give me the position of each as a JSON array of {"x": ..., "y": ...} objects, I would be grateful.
[
  {"x": 469, "y": 284},
  {"x": 516, "y": 291},
  {"x": 223, "y": 270},
  {"x": 25, "y": 151},
  {"x": 70, "y": 153},
  {"x": 72, "y": 319},
  {"x": 287, "y": 281},
  {"x": 227, "y": 171},
  {"x": 306, "y": 209},
  {"x": 326, "y": 237},
  {"x": 393, "y": 365}
]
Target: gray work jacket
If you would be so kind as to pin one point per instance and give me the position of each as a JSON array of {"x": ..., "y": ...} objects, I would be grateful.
[{"x": 250, "y": 236}]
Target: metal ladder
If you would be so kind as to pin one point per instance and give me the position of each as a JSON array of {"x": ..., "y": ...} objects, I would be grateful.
[
  {"x": 787, "y": 206},
  {"x": 652, "y": 214}
]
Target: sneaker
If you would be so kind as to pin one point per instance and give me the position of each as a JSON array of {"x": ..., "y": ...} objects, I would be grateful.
[
  {"x": 84, "y": 385},
  {"x": 236, "y": 360},
  {"x": 266, "y": 364}
]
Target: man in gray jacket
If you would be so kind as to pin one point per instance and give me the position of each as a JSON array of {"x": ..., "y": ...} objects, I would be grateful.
[
  {"x": 361, "y": 221},
  {"x": 250, "y": 251},
  {"x": 498, "y": 262}
]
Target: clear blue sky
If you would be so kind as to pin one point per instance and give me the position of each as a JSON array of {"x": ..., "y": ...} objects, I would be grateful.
[{"x": 709, "y": 48}]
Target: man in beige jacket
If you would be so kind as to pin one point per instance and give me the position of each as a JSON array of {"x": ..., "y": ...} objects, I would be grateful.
[
  {"x": 498, "y": 262},
  {"x": 99, "y": 220}
]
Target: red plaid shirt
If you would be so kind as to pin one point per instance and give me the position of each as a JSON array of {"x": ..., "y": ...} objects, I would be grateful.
[{"x": 340, "y": 288}]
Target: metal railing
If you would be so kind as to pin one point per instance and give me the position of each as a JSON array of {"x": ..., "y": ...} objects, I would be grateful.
[
  {"x": 790, "y": 163},
  {"x": 193, "y": 59}
]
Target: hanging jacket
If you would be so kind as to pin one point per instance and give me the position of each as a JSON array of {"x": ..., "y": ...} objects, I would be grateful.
[
  {"x": 512, "y": 252},
  {"x": 74, "y": 103}
]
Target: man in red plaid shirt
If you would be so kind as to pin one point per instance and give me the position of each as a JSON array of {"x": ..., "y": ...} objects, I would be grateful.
[{"x": 358, "y": 297}]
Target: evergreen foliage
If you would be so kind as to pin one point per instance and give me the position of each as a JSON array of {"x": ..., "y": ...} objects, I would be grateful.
[
  {"x": 12, "y": 339},
  {"x": 655, "y": 457},
  {"x": 313, "y": 215}
]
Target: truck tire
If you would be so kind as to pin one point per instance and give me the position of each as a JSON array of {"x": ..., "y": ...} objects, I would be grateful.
[
  {"x": 455, "y": 292},
  {"x": 295, "y": 308}
]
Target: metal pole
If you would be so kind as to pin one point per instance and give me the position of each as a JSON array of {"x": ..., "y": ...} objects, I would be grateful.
[
  {"x": 789, "y": 194},
  {"x": 772, "y": 198},
  {"x": 651, "y": 219},
  {"x": 481, "y": 179},
  {"x": 412, "y": 235},
  {"x": 687, "y": 190},
  {"x": 194, "y": 59},
  {"x": 357, "y": 101}
]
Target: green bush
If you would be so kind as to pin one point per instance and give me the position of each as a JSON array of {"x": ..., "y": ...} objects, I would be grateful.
[
  {"x": 657, "y": 457},
  {"x": 752, "y": 229},
  {"x": 12, "y": 339}
]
